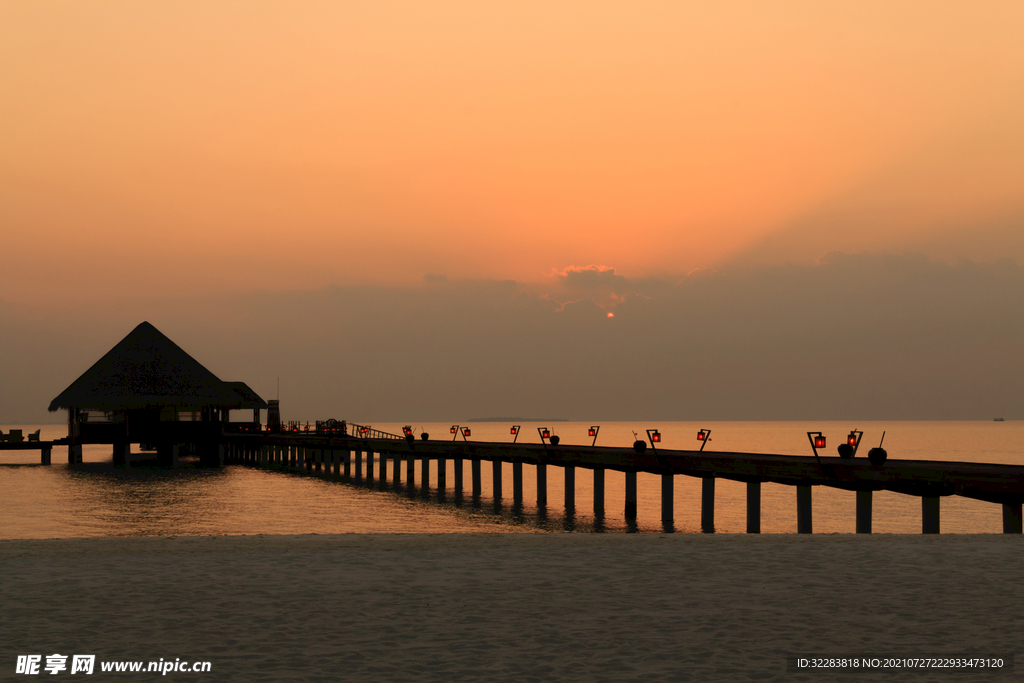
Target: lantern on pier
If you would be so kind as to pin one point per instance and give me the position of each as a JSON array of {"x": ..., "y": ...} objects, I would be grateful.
[
  {"x": 454, "y": 429},
  {"x": 546, "y": 433},
  {"x": 592, "y": 431},
  {"x": 701, "y": 436},
  {"x": 407, "y": 430},
  {"x": 852, "y": 439},
  {"x": 466, "y": 431},
  {"x": 819, "y": 441},
  {"x": 513, "y": 430},
  {"x": 656, "y": 436}
]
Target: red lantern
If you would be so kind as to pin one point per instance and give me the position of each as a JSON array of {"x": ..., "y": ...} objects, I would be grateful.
[
  {"x": 453, "y": 429},
  {"x": 512, "y": 431},
  {"x": 819, "y": 441},
  {"x": 656, "y": 436},
  {"x": 545, "y": 433},
  {"x": 852, "y": 439},
  {"x": 591, "y": 432},
  {"x": 465, "y": 431},
  {"x": 701, "y": 435}
]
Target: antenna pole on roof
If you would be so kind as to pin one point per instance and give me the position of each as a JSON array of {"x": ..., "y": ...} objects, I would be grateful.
[{"x": 278, "y": 389}]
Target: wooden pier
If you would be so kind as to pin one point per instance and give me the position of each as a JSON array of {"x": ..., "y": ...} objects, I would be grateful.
[{"x": 343, "y": 456}]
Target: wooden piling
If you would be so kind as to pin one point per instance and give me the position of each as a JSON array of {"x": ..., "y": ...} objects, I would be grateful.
[
  {"x": 442, "y": 475},
  {"x": 542, "y": 484},
  {"x": 630, "y": 510},
  {"x": 396, "y": 468},
  {"x": 384, "y": 467},
  {"x": 1012, "y": 518},
  {"x": 804, "y": 523},
  {"x": 369, "y": 465},
  {"x": 346, "y": 456},
  {"x": 599, "y": 491},
  {"x": 864, "y": 511},
  {"x": 707, "y": 505},
  {"x": 359, "y": 464},
  {"x": 517, "y": 482},
  {"x": 496, "y": 478},
  {"x": 929, "y": 514},
  {"x": 570, "y": 488},
  {"x": 458, "y": 476},
  {"x": 477, "y": 484},
  {"x": 424, "y": 473},
  {"x": 410, "y": 472},
  {"x": 667, "y": 497},
  {"x": 753, "y": 507},
  {"x": 46, "y": 453}
]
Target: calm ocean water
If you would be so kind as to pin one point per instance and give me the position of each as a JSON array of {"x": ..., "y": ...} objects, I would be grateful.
[{"x": 97, "y": 499}]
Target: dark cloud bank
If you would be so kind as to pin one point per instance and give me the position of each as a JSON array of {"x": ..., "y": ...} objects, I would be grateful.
[{"x": 854, "y": 337}]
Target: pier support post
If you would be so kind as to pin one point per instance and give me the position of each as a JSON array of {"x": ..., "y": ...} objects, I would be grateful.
[
  {"x": 384, "y": 467},
  {"x": 318, "y": 459},
  {"x": 410, "y": 471},
  {"x": 458, "y": 476},
  {"x": 75, "y": 453},
  {"x": 929, "y": 514},
  {"x": 804, "y": 524},
  {"x": 707, "y": 505},
  {"x": 864, "y": 511},
  {"x": 1011, "y": 517},
  {"x": 359, "y": 464},
  {"x": 442, "y": 475},
  {"x": 46, "y": 452},
  {"x": 424, "y": 473},
  {"x": 336, "y": 456},
  {"x": 599, "y": 491},
  {"x": 496, "y": 478},
  {"x": 517, "y": 483},
  {"x": 753, "y": 507},
  {"x": 477, "y": 484},
  {"x": 570, "y": 488},
  {"x": 346, "y": 459},
  {"x": 122, "y": 451},
  {"x": 542, "y": 484},
  {"x": 396, "y": 471},
  {"x": 630, "y": 511},
  {"x": 369, "y": 465},
  {"x": 668, "y": 482}
]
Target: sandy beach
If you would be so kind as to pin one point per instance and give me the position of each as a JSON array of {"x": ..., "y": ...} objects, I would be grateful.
[{"x": 523, "y": 607}]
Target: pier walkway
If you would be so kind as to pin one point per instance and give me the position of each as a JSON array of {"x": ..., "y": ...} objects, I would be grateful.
[{"x": 344, "y": 455}]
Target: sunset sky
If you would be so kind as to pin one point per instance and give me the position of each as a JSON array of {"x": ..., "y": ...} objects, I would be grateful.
[{"x": 156, "y": 156}]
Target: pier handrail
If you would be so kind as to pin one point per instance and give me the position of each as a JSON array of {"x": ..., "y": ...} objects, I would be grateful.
[{"x": 367, "y": 432}]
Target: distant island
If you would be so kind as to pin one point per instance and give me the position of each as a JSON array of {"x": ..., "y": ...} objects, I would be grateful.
[{"x": 518, "y": 419}]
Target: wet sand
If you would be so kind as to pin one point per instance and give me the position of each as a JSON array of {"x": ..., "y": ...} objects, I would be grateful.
[{"x": 530, "y": 607}]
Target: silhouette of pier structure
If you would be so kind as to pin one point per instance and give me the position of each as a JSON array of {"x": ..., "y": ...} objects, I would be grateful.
[
  {"x": 147, "y": 390},
  {"x": 351, "y": 457}
]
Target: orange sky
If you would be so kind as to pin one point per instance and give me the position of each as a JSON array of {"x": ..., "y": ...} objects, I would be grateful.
[{"x": 153, "y": 148}]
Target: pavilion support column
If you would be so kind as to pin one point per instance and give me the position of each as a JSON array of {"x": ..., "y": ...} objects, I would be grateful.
[
  {"x": 930, "y": 514},
  {"x": 442, "y": 475},
  {"x": 517, "y": 483},
  {"x": 630, "y": 495},
  {"x": 570, "y": 488},
  {"x": 1012, "y": 518},
  {"x": 804, "y": 519},
  {"x": 122, "y": 451},
  {"x": 753, "y": 507},
  {"x": 74, "y": 433},
  {"x": 599, "y": 491},
  {"x": 668, "y": 485},
  {"x": 458, "y": 476},
  {"x": 864, "y": 511},
  {"x": 425, "y": 473},
  {"x": 496, "y": 478},
  {"x": 542, "y": 484},
  {"x": 707, "y": 505},
  {"x": 410, "y": 471},
  {"x": 477, "y": 483}
]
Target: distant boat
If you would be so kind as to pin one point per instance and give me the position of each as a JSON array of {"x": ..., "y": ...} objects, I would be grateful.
[{"x": 998, "y": 419}]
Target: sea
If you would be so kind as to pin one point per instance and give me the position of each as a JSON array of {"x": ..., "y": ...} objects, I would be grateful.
[{"x": 99, "y": 499}]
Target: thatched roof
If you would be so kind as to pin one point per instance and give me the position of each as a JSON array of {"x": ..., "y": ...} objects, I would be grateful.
[
  {"x": 247, "y": 398},
  {"x": 146, "y": 369}
]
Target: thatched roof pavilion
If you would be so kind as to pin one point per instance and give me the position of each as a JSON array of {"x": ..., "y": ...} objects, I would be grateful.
[
  {"x": 148, "y": 370},
  {"x": 247, "y": 398}
]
